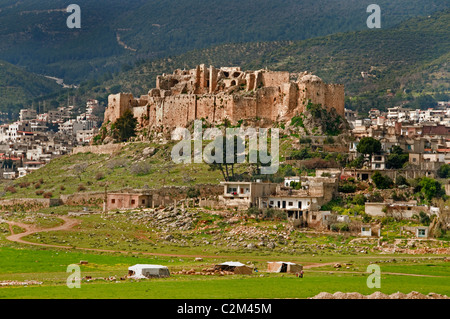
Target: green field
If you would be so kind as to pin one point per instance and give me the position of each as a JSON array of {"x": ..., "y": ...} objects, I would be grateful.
[
  {"x": 111, "y": 243},
  {"x": 49, "y": 266}
]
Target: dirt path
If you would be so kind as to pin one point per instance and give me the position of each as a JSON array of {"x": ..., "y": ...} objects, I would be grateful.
[{"x": 69, "y": 223}]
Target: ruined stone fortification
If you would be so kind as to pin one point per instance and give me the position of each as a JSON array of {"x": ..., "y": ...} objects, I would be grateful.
[{"x": 228, "y": 93}]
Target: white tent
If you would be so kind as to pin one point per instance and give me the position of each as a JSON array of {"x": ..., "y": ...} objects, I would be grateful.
[{"x": 140, "y": 271}]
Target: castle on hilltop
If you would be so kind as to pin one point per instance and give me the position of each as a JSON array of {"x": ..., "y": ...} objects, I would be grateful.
[{"x": 228, "y": 93}]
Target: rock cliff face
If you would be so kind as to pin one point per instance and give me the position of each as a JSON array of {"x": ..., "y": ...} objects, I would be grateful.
[{"x": 225, "y": 94}]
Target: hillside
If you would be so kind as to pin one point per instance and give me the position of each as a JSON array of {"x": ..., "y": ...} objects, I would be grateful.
[
  {"x": 409, "y": 59},
  {"x": 113, "y": 33},
  {"x": 18, "y": 87}
]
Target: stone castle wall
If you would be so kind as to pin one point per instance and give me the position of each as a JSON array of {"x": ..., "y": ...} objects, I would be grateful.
[{"x": 226, "y": 93}]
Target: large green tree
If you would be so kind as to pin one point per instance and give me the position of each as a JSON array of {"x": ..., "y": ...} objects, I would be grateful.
[
  {"x": 397, "y": 158},
  {"x": 369, "y": 146},
  {"x": 430, "y": 188},
  {"x": 125, "y": 126}
]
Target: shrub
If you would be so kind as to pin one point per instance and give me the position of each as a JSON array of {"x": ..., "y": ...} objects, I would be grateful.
[
  {"x": 37, "y": 185},
  {"x": 193, "y": 192},
  {"x": 444, "y": 171},
  {"x": 81, "y": 188},
  {"x": 48, "y": 195},
  {"x": 24, "y": 184},
  {"x": 382, "y": 181},
  {"x": 347, "y": 188},
  {"x": 375, "y": 198},
  {"x": 401, "y": 180},
  {"x": 272, "y": 213},
  {"x": 39, "y": 192},
  {"x": 10, "y": 189},
  {"x": 359, "y": 199},
  {"x": 99, "y": 176},
  {"x": 366, "y": 218},
  {"x": 141, "y": 168},
  {"x": 253, "y": 211},
  {"x": 62, "y": 187}
]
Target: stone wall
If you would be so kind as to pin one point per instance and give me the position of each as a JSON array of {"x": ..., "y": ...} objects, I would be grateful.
[
  {"x": 225, "y": 93},
  {"x": 28, "y": 204},
  {"x": 98, "y": 149}
]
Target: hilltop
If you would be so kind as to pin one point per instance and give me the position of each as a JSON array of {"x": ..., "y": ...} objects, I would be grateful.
[
  {"x": 399, "y": 63},
  {"x": 115, "y": 33},
  {"x": 19, "y": 87}
]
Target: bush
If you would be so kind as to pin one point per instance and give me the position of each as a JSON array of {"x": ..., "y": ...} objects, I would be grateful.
[
  {"x": 444, "y": 171},
  {"x": 375, "y": 198},
  {"x": 359, "y": 199},
  {"x": 382, "y": 181},
  {"x": 253, "y": 211},
  {"x": 10, "y": 189},
  {"x": 81, "y": 188},
  {"x": 37, "y": 185},
  {"x": 366, "y": 218},
  {"x": 401, "y": 180},
  {"x": 347, "y": 188},
  {"x": 272, "y": 213},
  {"x": 39, "y": 192},
  {"x": 48, "y": 195},
  {"x": 141, "y": 168},
  {"x": 193, "y": 192},
  {"x": 99, "y": 176}
]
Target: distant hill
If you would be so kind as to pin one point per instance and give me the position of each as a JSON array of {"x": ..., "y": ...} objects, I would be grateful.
[
  {"x": 19, "y": 87},
  {"x": 114, "y": 33},
  {"x": 409, "y": 59}
]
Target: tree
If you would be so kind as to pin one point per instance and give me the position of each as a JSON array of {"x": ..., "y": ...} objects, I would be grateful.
[
  {"x": 227, "y": 169},
  {"x": 369, "y": 146},
  {"x": 444, "y": 171},
  {"x": 401, "y": 180},
  {"x": 382, "y": 181},
  {"x": 430, "y": 188},
  {"x": 125, "y": 126},
  {"x": 397, "y": 158}
]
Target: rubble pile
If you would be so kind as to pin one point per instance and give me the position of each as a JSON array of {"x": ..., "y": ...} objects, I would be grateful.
[
  {"x": 379, "y": 295},
  {"x": 166, "y": 219}
]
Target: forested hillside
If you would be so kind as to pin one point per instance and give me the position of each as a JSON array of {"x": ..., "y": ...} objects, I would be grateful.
[
  {"x": 402, "y": 63},
  {"x": 34, "y": 34}
]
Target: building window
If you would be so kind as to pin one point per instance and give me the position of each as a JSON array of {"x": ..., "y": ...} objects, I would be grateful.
[
  {"x": 143, "y": 202},
  {"x": 133, "y": 202},
  {"x": 421, "y": 232},
  {"x": 291, "y": 204},
  {"x": 113, "y": 201}
]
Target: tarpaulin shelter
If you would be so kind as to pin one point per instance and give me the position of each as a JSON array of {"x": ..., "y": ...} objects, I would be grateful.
[
  {"x": 283, "y": 266},
  {"x": 140, "y": 271},
  {"x": 236, "y": 267}
]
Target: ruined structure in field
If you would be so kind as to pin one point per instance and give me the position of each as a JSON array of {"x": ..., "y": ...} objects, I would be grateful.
[{"x": 225, "y": 94}]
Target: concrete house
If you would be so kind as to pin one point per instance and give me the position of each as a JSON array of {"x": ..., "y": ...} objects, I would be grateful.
[
  {"x": 245, "y": 194},
  {"x": 127, "y": 201}
]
